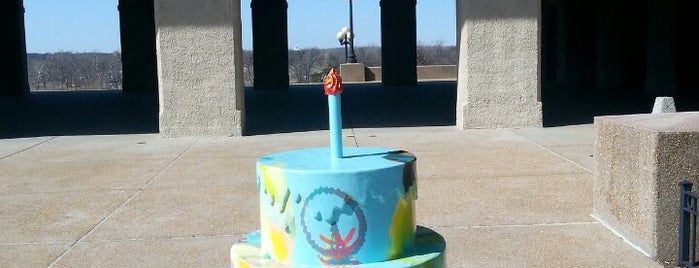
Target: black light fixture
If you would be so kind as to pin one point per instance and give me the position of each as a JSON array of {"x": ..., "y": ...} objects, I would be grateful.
[{"x": 346, "y": 38}]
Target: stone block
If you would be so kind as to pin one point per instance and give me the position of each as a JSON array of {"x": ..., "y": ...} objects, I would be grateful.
[
  {"x": 352, "y": 72},
  {"x": 436, "y": 72},
  {"x": 372, "y": 74},
  {"x": 639, "y": 161}
]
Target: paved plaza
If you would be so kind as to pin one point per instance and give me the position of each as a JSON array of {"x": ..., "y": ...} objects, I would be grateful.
[{"x": 501, "y": 198}]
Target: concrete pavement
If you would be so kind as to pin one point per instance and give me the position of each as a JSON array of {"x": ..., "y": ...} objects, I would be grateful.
[{"x": 501, "y": 198}]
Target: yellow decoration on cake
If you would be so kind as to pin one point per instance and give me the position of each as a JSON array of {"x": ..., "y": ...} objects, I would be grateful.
[
  {"x": 401, "y": 230},
  {"x": 240, "y": 264},
  {"x": 279, "y": 244},
  {"x": 274, "y": 183},
  {"x": 278, "y": 227}
]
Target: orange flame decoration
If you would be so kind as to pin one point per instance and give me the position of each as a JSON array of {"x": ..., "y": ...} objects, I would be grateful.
[{"x": 333, "y": 83}]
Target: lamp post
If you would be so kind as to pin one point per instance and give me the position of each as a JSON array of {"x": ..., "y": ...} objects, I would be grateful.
[
  {"x": 346, "y": 38},
  {"x": 352, "y": 57}
]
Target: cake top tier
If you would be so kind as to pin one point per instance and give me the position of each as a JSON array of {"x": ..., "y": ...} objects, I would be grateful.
[{"x": 356, "y": 159}]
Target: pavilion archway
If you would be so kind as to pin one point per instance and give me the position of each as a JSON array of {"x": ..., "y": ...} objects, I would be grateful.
[
  {"x": 270, "y": 43},
  {"x": 137, "y": 30}
]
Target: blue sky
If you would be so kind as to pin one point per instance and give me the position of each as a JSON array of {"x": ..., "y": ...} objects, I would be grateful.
[{"x": 93, "y": 25}]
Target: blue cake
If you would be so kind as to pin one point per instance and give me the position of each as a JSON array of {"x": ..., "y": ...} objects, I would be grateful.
[
  {"x": 319, "y": 211},
  {"x": 325, "y": 207}
]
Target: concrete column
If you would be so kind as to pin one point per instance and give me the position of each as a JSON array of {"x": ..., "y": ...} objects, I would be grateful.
[
  {"x": 398, "y": 42},
  {"x": 687, "y": 56},
  {"x": 661, "y": 79},
  {"x": 13, "y": 55},
  {"x": 270, "y": 44},
  {"x": 561, "y": 42},
  {"x": 633, "y": 41},
  {"x": 553, "y": 42},
  {"x": 498, "y": 78},
  {"x": 200, "y": 67},
  {"x": 137, "y": 25},
  {"x": 580, "y": 41},
  {"x": 608, "y": 63}
]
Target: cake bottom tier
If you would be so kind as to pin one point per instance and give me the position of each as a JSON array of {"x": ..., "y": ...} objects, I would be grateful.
[{"x": 427, "y": 252}]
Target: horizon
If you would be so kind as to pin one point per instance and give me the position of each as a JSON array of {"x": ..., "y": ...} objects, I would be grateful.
[
  {"x": 53, "y": 26},
  {"x": 244, "y": 50}
]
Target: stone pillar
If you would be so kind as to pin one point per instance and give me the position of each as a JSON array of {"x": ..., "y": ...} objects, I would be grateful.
[
  {"x": 580, "y": 41},
  {"x": 561, "y": 42},
  {"x": 498, "y": 78},
  {"x": 608, "y": 45},
  {"x": 632, "y": 36},
  {"x": 553, "y": 42},
  {"x": 200, "y": 67},
  {"x": 13, "y": 62},
  {"x": 687, "y": 56},
  {"x": 398, "y": 42},
  {"x": 137, "y": 25},
  {"x": 270, "y": 46},
  {"x": 548, "y": 65},
  {"x": 661, "y": 71}
]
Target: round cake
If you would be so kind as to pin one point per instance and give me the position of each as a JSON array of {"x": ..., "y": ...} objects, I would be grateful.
[
  {"x": 325, "y": 207},
  {"x": 317, "y": 210}
]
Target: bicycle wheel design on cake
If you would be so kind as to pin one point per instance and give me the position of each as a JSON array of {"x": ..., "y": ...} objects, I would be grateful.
[{"x": 336, "y": 235}]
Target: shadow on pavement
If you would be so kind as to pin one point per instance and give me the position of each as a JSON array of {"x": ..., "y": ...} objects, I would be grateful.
[
  {"x": 305, "y": 107},
  {"x": 568, "y": 106},
  {"x": 301, "y": 108},
  {"x": 97, "y": 112}
]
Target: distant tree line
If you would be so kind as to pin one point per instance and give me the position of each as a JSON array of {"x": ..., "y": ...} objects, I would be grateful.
[
  {"x": 309, "y": 65},
  {"x": 68, "y": 70},
  {"x": 95, "y": 70}
]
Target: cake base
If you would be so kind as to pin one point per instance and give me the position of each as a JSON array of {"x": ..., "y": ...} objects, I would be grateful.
[{"x": 428, "y": 252}]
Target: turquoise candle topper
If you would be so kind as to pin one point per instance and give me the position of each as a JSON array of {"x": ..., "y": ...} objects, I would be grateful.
[
  {"x": 335, "y": 125},
  {"x": 333, "y": 89}
]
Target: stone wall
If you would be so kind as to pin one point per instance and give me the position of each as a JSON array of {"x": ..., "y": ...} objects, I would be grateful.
[{"x": 424, "y": 73}]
